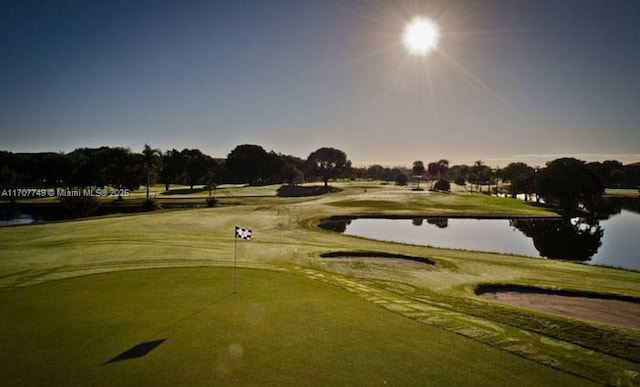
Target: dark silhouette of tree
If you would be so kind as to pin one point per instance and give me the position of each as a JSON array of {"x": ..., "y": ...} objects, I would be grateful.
[
  {"x": 479, "y": 174},
  {"x": 198, "y": 167},
  {"x": 570, "y": 239},
  {"x": 290, "y": 174},
  {"x": 611, "y": 173},
  {"x": 376, "y": 172},
  {"x": 432, "y": 169},
  {"x": 400, "y": 177},
  {"x": 418, "y": 171},
  {"x": 521, "y": 178},
  {"x": 151, "y": 164},
  {"x": 122, "y": 168},
  {"x": 568, "y": 183},
  {"x": 443, "y": 168},
  {"x": 89, "y": 168},
  {"x": 336, "y": 225},
  {"x": 442, "y": 185},
  {"x": 10, "y": 175},
  {"x": 54, "y": 169},
  {"x": 251, "y": 164},
  {"x": 633, "y": 175},
  {"x": 459, "y": 173},
  {"x": 173, "y": 168},
  {"x": 439, "y": 222},
  {"x": 327, "y": 163}
]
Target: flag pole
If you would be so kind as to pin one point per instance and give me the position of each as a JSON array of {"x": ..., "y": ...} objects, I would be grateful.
[{"x": 235, "y": 261}]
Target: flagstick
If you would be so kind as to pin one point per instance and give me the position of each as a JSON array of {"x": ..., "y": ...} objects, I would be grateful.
[{"x": 235, "y": 262}]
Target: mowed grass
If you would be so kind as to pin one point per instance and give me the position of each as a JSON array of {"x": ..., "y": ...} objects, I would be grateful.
[
  {"x": 278, "y": 329},
  {"x": 285, "y": 238},
  {"x": 445, "y": 204}
]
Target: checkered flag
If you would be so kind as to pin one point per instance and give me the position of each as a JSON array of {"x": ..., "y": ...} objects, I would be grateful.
[{"x": 243, "y": 233}]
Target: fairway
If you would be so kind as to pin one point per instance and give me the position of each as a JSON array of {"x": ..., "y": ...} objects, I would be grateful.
[
  {"x": 278, "y": 329},
  {"x": 148, "y": 299}
]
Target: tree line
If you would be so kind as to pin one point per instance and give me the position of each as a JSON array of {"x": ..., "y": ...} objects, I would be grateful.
[
  {"x": 122, "y": 168},
  {"x": 564, "y": 182}
]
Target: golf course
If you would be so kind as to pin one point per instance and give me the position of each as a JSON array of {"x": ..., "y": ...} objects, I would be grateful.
[{"x": 172, "y": 297}]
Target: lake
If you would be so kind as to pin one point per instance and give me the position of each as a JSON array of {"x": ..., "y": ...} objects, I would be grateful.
[{"x": 613, "y": 241}]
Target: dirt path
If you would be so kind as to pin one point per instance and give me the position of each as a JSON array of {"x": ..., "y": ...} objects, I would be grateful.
[{"x": 614, "y": 312}]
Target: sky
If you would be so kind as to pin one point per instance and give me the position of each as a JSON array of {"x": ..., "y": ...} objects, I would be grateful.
[{"x": 509, "y": 80}]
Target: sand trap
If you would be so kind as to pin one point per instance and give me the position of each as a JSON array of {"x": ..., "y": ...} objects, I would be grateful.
[{"x": 623, "y": 312}]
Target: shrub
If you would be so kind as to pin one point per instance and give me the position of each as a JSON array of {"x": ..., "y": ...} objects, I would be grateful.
[
  {"x": 211, "y": 202},
  {"x": 151, "y": 205},
  {"x": 402, "y": 179},
  {"x": 442, "y": 185},
  {"x": 79, "y": 206}
]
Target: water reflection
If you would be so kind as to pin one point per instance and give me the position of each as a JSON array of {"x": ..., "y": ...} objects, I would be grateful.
[
  {"x": 439, "y": 222},
  {"x": 337, "y": 224},
  {"x": 576, "y": 239}
]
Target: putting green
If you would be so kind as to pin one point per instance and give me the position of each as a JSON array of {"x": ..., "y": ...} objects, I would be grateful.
[{"x": 278, "y": 329}]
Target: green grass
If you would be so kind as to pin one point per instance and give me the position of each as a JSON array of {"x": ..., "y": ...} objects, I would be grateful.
[
  {"x": 278, "y": 329},
  {"x": 71, "y": 322},
  {"x": 443, "y": 204}
]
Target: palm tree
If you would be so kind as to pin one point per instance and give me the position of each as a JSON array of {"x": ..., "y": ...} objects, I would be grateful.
[{"x": 152, "y": 162}]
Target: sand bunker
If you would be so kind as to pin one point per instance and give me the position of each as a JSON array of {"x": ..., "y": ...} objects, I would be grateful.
[{"x": 622, "y": 311}]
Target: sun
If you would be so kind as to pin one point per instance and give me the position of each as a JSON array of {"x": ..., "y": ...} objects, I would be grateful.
[{"x": 420, "y": 36}]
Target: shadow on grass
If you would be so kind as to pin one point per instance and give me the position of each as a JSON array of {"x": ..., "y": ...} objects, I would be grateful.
[
  {"x": 142, "y": 349},
  {"x": 137, "y": 351},
  {"x": 184, "y": 191}
]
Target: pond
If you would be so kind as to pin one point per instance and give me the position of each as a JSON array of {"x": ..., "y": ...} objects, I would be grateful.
[
  {"x": 21, "y": 220},
  {"x": 612, "y": 241}
]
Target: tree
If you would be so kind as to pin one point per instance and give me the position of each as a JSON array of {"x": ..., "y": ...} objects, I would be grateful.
[
  {"x": 438, "y": 170},
  {"x": 522, "y": 179},
  {"x": 401, "y": 178},
  {"x": 418, "y": 170},
  {"x": 198, "y": 167},
  {"x": 610, "y": 172},
  {"x": 442, "y": 185},
  {"x": 569, "y": 183},
  {"x": 250, "y": 164},
  {"x": 376, "y": 172},
  {"x": 89, "y": 167},
  {"x": 290, "y": 174},
  {"x": 327, "y": 163},
  {"x": 479, "y": 174},
  {"x": 443, "y": 168},
  {"x": 122, "y": 168},
  {"x": 433, "y": 169},
  {"x": 151, "y": 163},
  {"x": 459, "y": 174},
  {"x": 173, "y": 168}
]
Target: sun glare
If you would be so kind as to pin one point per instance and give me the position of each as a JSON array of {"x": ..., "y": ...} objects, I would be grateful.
[{"x": 420, "y": 36}]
